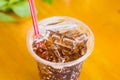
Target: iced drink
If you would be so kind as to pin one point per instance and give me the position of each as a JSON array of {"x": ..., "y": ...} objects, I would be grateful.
[{"x": 61, "y": 50}]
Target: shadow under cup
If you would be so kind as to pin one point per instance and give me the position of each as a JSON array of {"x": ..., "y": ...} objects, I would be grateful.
[{"x": 61, "y": 71}]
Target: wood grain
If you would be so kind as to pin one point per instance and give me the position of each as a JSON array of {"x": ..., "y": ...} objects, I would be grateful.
[{"x": 103, "y": 17}]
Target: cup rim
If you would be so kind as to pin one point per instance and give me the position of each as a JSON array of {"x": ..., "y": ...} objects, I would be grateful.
[{"x": 66, "y": 64}]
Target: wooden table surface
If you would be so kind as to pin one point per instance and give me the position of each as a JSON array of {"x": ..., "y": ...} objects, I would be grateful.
[{"x": 103, "y": 17}]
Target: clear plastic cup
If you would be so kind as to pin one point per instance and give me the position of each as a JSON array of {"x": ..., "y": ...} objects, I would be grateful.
[{"x": 60, "y": 71}]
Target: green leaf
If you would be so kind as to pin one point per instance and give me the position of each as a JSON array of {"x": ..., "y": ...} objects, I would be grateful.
[
  {"x": 21, "y": 9},
  {"x": 6, "y": 18},
  {"x": 48, "y": 1},
  {"x": 5, "y": 8},
  {"x": 3, "y": 2},
  {"x": 13, "y": 1}
]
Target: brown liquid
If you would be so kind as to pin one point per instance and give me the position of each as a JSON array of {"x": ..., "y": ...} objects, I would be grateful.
[
  {"x": 61, "y": 47},
  {"x": 66, "y": 73}
]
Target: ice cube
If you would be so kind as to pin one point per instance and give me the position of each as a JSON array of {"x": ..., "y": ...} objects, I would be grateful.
[
  {"x": 63, "y": 47},
  {"x": 81, "y": 38},
  {"x": 68, "y": 42}
]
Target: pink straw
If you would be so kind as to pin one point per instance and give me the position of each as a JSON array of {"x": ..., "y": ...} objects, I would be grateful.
[{"x": 34, "y": 18}]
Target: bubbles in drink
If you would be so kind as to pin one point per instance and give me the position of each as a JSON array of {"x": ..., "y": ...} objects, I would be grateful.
[{"x": 66, "y": 73}]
